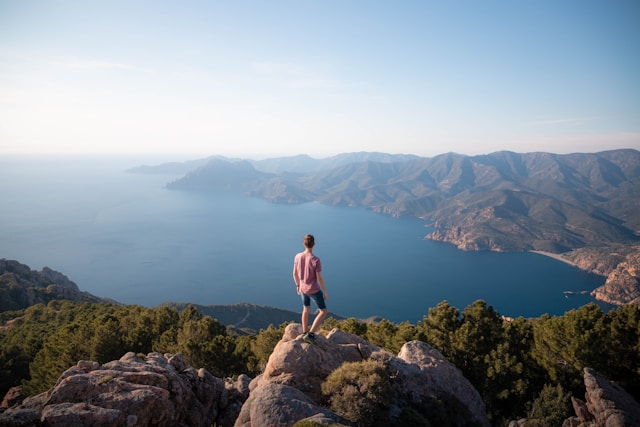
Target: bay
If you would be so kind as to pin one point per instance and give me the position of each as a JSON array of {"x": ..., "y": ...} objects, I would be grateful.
[{"x": 124, "y": 236}]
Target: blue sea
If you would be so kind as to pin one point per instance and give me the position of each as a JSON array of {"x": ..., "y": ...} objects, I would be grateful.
[{"x": 126, "y": 237}]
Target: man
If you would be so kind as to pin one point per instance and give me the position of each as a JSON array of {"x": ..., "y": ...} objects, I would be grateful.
[{"x": 307, "y": 274}]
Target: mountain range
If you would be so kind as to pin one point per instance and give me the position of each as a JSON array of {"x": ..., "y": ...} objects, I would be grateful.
[{"x": 502, "y": 201}]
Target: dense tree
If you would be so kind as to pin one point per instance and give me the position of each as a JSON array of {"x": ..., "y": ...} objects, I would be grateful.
[
  {"x": 350, "y": 325},
  {"x": 623, "y": 348},
  {"x": 439, "y": 326},
  {"x": 564, "y": 345},
  {"x": 264, "y": 344},
  {"x": 479, "y": 333},
  {"x": 107, "y": 340},
  {"x": 382, "y": 334}
]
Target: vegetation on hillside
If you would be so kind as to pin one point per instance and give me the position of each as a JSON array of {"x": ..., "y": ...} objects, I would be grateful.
[{"x": 521, "y": 367}]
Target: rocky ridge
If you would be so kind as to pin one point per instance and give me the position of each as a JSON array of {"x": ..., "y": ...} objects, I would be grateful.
[{"x": 21, "y": 287}]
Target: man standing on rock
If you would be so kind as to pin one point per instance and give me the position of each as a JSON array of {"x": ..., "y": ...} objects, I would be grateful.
[{"x": 307, "y": 273}]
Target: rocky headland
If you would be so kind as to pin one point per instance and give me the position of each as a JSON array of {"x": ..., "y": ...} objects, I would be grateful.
[{"x": 620, "y": 264}]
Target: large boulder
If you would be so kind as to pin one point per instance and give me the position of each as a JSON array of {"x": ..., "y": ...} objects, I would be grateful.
[
  {"x": 296, "y": 363},
  {"x": 278, "y": 405},
  {"x": 420, "y": 374},
  {"x": 423, "y": 371},
  {"x": 159, "y": 390},
  {"x": 607, "y": 405},
  {"x": 12, "y": 398}
]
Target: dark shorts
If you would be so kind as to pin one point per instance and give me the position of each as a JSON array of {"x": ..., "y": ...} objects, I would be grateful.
[{"x": 317, "y": 297}]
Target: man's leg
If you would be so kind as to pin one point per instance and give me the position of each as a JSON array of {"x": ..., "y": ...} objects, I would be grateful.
[
  {"x": 317, "y": 322},
  {"x": 305, "y": 318}
]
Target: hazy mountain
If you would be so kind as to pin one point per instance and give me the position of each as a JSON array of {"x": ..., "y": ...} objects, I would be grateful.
[
  {"x": 218, "y": 174},
  {"x": 305, "y": 164},
  {"x": 499, "y": 201},
  {"x": 294, "y": 164},
  {"x": 172, "y": 167}
]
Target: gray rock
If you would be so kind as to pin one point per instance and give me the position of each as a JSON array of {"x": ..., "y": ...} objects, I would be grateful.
[
  {"x": 134, "y": 391},
  {"x": 436, "y": 376},
  {"x": 13, "y": 397},
  {"x": 607, "y": 405},
  {"x": 277, "y": 405},
  {"x": 20, "y": 417}
]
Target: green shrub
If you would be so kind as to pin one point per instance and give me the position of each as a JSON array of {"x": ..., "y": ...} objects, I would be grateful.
[
  {"x": 360, "y": 392},
  {"x": 551, "y": 407}
]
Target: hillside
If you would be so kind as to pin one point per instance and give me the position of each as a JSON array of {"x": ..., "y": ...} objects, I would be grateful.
[
  {"x": 21, "y": 287},
  {"x": 293, "y": 164},
  {"x": 501, "y": 201},
  {"x": 244, "y": 317}
]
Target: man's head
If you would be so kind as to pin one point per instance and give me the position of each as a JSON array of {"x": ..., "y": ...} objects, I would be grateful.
[{"x": 309, "y": 241}]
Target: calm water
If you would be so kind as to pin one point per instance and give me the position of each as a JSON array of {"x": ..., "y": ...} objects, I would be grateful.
[{"x": 123, "y": 236}]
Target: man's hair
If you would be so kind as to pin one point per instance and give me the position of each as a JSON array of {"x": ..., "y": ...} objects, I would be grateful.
[{"x": 309, "y": 241}]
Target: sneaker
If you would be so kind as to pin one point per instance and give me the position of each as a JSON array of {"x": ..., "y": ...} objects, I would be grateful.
[{"x": 310, "y": 338}]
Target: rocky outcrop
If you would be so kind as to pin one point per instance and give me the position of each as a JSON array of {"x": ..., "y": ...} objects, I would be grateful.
[
  {"x": 159, "y": 390},
  {"x": 296, "y": 370},
  {"x": 21, "y": 287},
  {"x": 620, "y": 264},
  {"x": 623, "y": 283},
  {"x": 12, "y": 398},
  {"x": 606, "y": 405},
  {"x": 162, "y": 390}
]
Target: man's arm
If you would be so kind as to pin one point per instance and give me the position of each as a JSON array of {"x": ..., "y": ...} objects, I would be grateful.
[
  {"x": 321, "y": 282},
  {"x": 296, "y": 278}
]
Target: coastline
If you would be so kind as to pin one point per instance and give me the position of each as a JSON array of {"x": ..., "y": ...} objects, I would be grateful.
[{"x": 557, "y": 257}]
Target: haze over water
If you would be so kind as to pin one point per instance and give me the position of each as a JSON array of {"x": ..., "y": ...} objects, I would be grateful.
[{"x": 124, "y": 236}]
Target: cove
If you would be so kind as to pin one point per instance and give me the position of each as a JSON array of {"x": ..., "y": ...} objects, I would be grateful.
[{"x": 124, "y": 236}]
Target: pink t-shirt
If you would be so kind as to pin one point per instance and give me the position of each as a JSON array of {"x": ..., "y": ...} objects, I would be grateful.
[{"x": 307, "y": 265}]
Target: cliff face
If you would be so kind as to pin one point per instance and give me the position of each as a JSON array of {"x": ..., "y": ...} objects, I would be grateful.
[
  {"x": 620, "y": 264},
  {"x": 21, "y": 287},
  {"x": 161, "y": 390}
]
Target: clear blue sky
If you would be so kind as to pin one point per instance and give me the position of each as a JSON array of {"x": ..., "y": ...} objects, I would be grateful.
[{"x": 268, "y": 78}]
